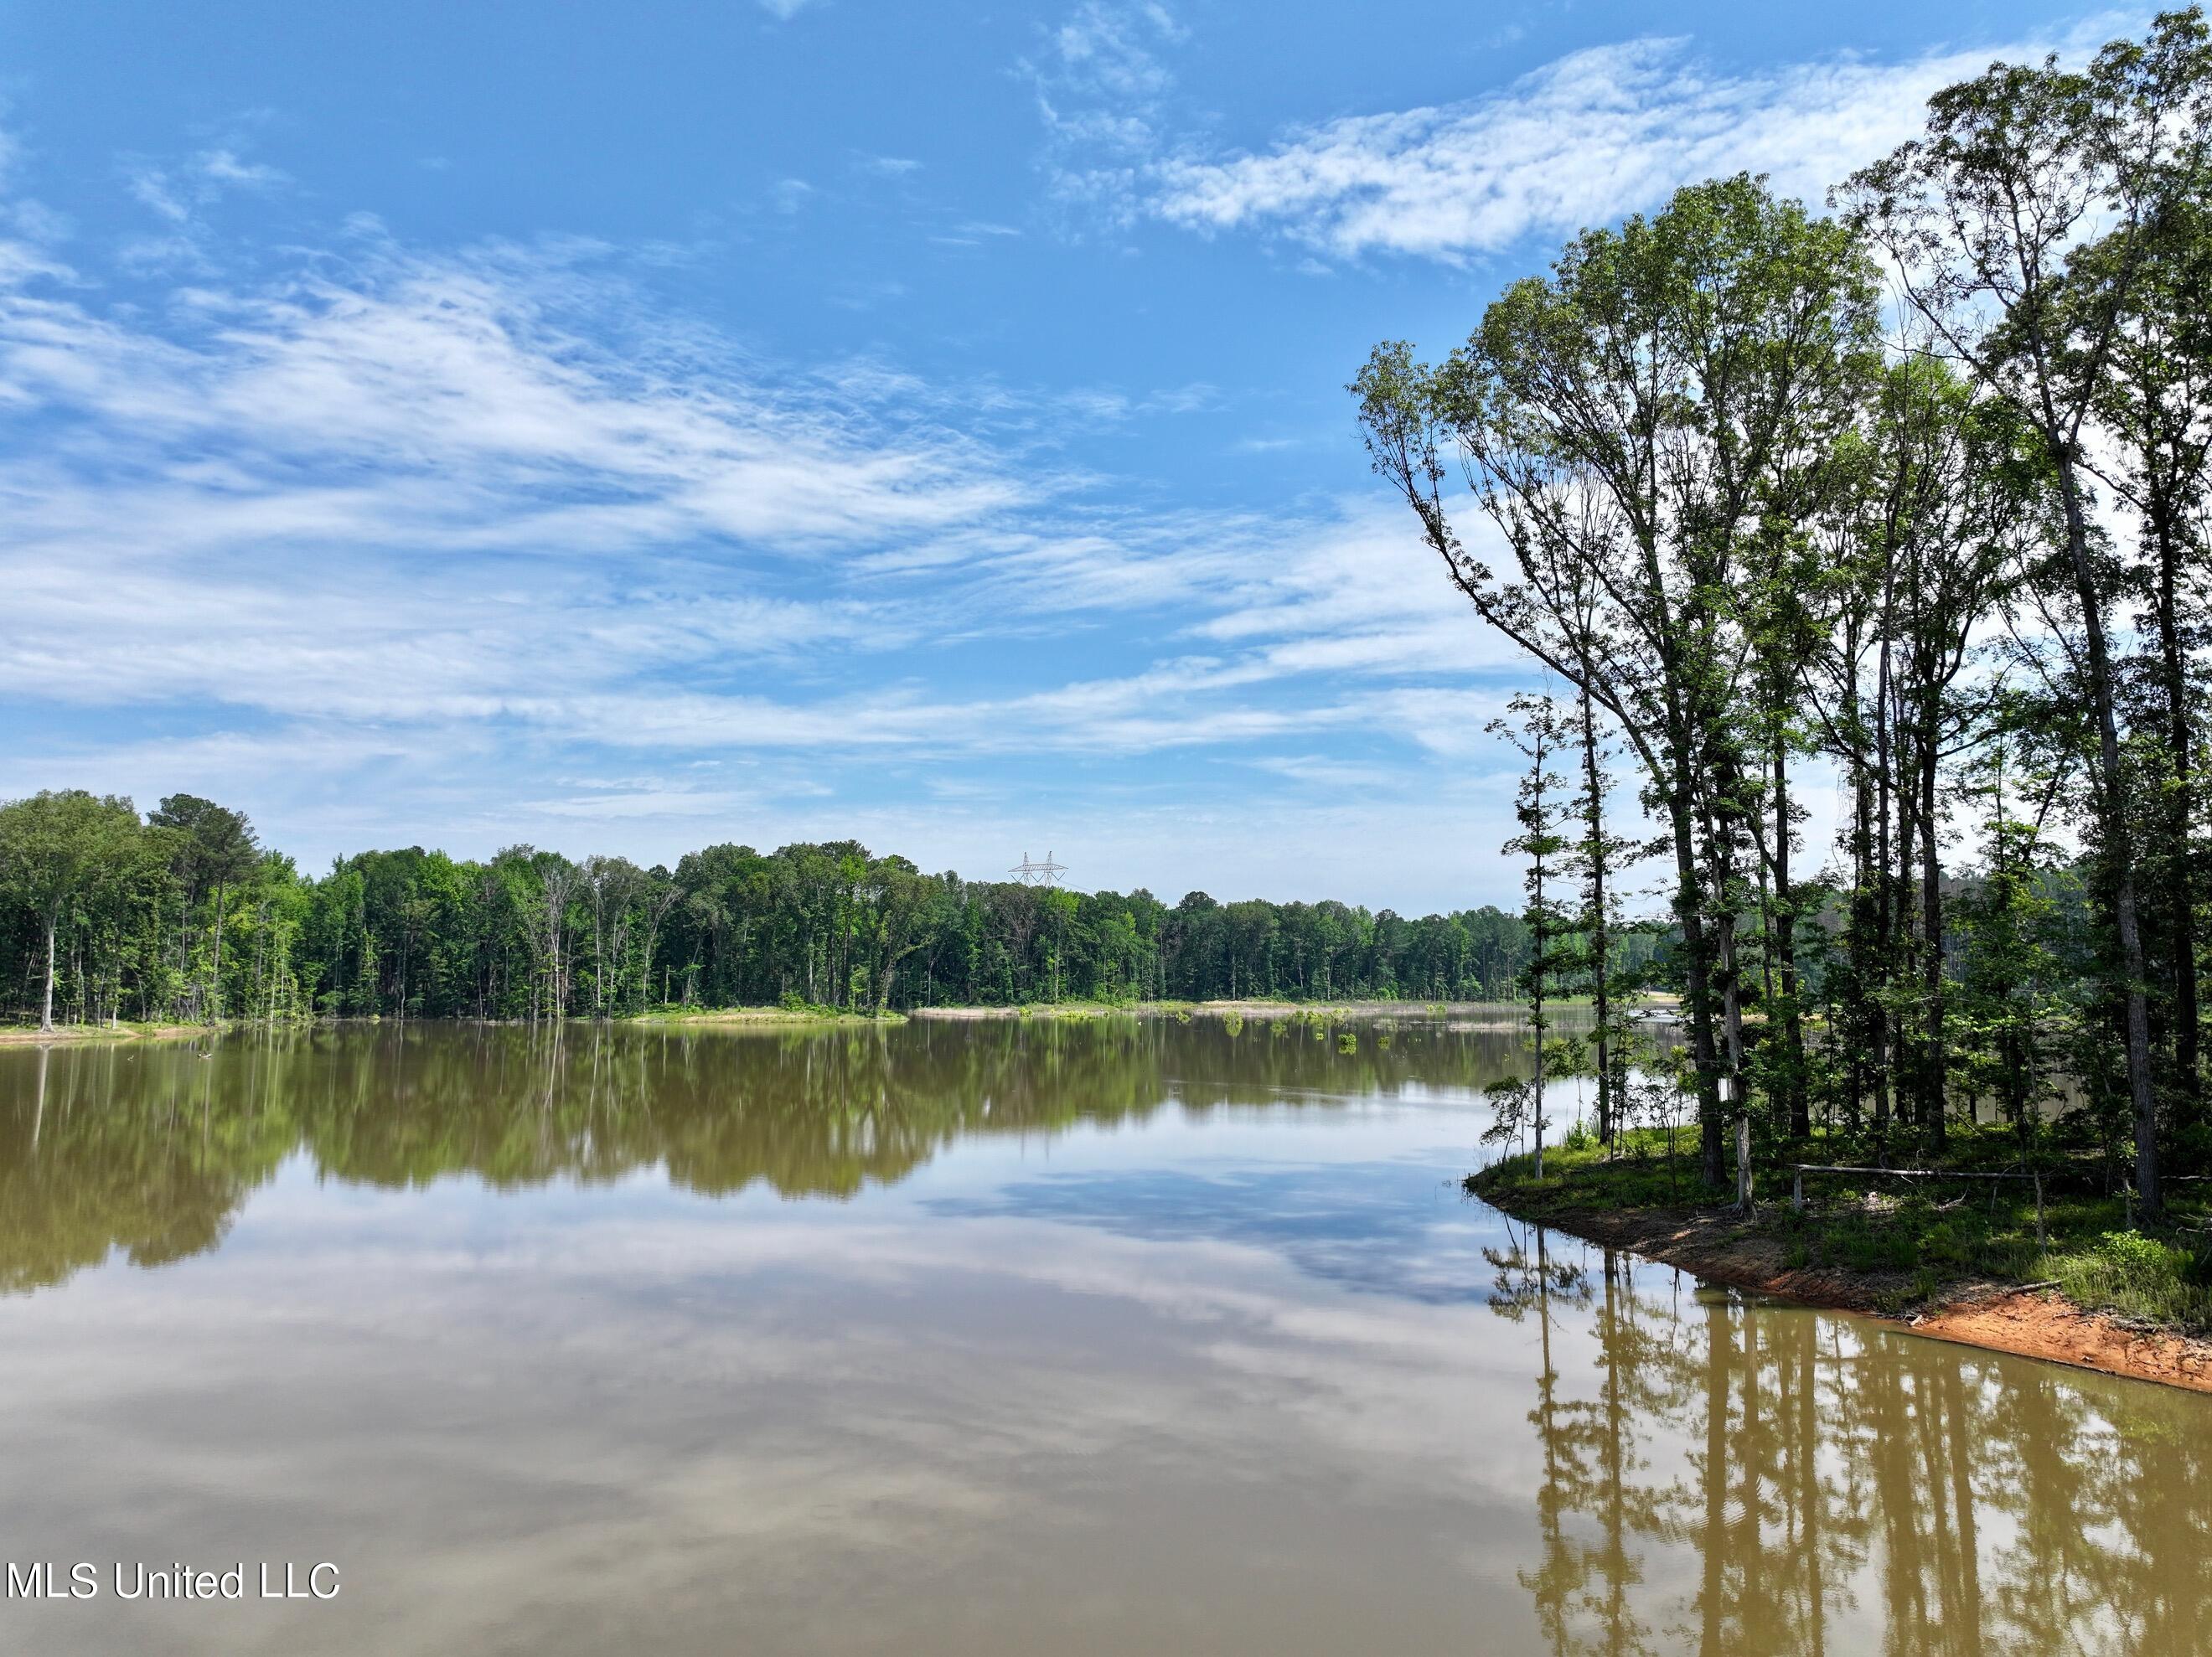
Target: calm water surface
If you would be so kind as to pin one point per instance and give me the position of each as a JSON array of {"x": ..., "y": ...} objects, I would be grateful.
[{"x": 1127, "y": 1337}]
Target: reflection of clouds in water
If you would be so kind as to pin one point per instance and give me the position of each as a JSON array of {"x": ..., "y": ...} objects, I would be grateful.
[
  {"x": 798, "y": 1423},
  {"x": 1362, "y": 1226}
]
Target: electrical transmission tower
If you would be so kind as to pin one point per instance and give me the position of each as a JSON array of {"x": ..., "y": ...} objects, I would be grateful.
[{"x": 1031, "y": 872}]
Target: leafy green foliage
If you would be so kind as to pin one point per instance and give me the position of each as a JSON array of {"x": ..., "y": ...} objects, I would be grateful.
[{"x": 183, "y": 915}]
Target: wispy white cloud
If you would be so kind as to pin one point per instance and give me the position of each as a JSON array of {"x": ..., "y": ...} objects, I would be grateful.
[
  {"x": 179, "y": 194},
  {"x": 446, "y": 404},
  {"x": 1101, "y": 83},
  {"x": 498, "y": 504},
  {"x": 888, "y": 166},
  {"x": 1581, "y": 141},
  {"x": 385, "y": 544}
]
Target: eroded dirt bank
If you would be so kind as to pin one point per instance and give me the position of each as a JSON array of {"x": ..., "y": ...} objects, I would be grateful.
[{"x": 2002, "y": 1317}]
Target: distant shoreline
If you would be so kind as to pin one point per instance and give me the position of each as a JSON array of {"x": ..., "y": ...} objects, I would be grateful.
[
  {"x": 1502, "y": 1014},
  {"x": 1518, "y": 1010}
]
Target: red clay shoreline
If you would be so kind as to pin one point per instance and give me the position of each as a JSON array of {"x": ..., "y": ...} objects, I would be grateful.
[{"x": 2036, "y": 1322}]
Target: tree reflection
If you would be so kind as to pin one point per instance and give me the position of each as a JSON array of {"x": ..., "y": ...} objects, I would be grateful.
[
  {"x": 1726, "y": 1477},
  {"x": 151, "y": 1150}
]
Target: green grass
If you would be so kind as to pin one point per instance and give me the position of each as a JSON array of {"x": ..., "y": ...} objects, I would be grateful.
[
  {"x": 126, "y": 1029},
  {"x": 1932, "y": 1232},
  {"x": 796, "y": 1013}
]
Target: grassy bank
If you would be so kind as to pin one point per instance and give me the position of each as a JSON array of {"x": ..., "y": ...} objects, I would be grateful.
[
  {"x": 1249, "y": 1007},
  {"x": 1884, "y": 1244},
  {"x": 128, "y": 1030},
  {"x": 692, "y": 1016}
]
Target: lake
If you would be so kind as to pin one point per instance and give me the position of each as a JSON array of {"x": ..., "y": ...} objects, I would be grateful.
[{"x": 996, "y": 1337}]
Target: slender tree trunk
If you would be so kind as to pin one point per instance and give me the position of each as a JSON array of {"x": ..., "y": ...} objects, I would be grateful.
[
  {"x": 2181, "y": 886},
  {"x": 1731, "y": 975},
  {"x": 1797, "y": 1098},
  {"x": 1599, "y": 940},
  {"x": 1856, "y": 1020},
  {"x": 1933, "y": 1069},
  {"x": 1536, "y": 1014},
  {"x": 1697, "y": 974},
  {"x": 46, "y": 1017},
  {"x": 1880, "y": 956},
  {"x": 2119, "y": 852},
  {"x": 215, "y": 985},
  {"x": 1903, "y": 880}
]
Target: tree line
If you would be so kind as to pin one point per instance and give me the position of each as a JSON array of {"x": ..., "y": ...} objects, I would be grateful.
[
  {"x": 181, "y": 915},
  {"x": 1911, "y": 495}
]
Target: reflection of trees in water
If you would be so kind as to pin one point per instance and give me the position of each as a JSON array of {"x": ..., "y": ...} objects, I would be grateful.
[
  {"x": 92, "y": 1161},
  {"x": 152, "y": 1149},
  {"x": 1813, "y": 1474}
]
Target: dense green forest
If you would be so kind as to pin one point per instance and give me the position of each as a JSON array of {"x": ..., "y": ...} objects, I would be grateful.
[
  {"x": 182, "y": 915},
  {"x": 1911, "y": 497}
]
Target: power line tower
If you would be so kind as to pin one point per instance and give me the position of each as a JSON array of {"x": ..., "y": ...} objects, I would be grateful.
[{"x": 1031, "y": 872}]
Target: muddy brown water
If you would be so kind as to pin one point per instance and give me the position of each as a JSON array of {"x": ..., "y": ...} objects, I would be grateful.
[{"x": 988, "y": 1338}]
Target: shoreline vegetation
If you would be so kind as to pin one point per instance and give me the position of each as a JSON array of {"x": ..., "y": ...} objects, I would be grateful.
[
  {"x": 1908, "y": 502},
  {"x": 1952, "y": 1255},
  {"x": 1504, "y": 1014},
  {"x": 127, "y": 1030}
]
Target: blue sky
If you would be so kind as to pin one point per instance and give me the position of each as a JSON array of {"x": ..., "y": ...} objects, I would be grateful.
[{"x": 628, "y": 427}]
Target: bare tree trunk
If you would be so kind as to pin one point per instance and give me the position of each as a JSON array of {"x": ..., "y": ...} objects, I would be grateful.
[
  {"x": 1933, "y": 1078},
  {"x": 2112, "y": 810},
  {"x": 214, "y": 986},
  {"x": 1796, "y": 1099},
  {"x": 46, "y": 1018},
  {"x": 1599, "y": 940},
  {"x": 2180, "y": 817},
  {"x": 1731, "y": 1007},
  {"x": 1884, "y": 923},
  {"x": 1697, "y": 951}
]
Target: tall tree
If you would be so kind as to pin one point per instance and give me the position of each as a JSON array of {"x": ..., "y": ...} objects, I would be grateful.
[
  {"x": 213, "y": 849},
  {"x": 52, "y": 846},
  {"x": 2016, "y": 168},
  {"x": 2155, "y": 401},
  {"x": 1635, "y": 425},
  {"x": 1540, "y": 730}
]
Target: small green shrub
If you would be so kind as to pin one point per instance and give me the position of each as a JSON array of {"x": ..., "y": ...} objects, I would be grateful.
[{"x": 2136, "y": 1259}]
